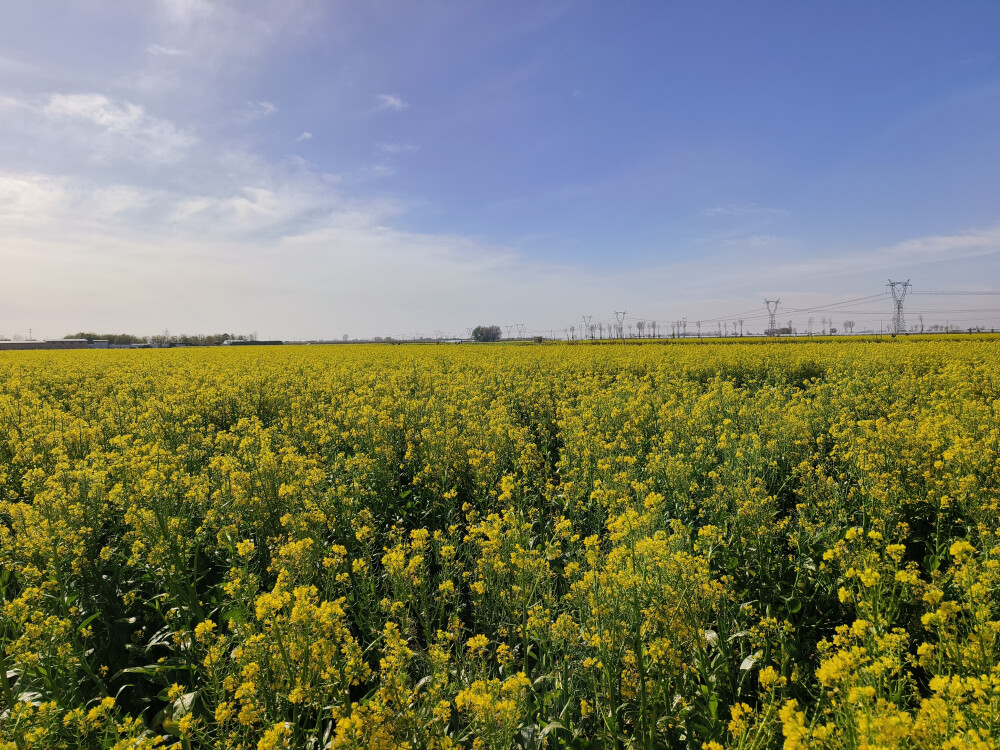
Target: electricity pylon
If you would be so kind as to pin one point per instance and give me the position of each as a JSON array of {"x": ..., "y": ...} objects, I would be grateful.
[
  {"x": 620, "y": 316},
  {"x": 772, "y": 311},
  {"x": 898, "y": 289}
]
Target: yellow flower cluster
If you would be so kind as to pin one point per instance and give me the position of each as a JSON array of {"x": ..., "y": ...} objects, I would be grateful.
[{"x": 662, "y": 545}]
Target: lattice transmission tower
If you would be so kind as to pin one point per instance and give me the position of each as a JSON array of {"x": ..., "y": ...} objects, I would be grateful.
[
  {"x": 620, "y": 317},
  {"x": 772, "y": 311},
  {"x": 898, "y": 289}
]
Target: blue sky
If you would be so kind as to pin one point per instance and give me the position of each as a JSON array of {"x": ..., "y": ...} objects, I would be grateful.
[{"x": 308, "y": 168}]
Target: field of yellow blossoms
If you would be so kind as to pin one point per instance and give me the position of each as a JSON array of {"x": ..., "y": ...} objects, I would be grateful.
[{"x": 590, "y": 546}]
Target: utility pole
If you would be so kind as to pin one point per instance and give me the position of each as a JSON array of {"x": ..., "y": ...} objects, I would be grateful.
[
  {"x": 698, "y": 323},
  {"x": 772, "y": 311},
  {"x": 898, "y": 289},
  {"x": 586, "y": 324},
  {"x": 620, "y": 316},
  {"x": 520, "y": 330}
]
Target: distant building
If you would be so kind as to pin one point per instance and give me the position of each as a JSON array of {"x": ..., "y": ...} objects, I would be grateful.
[{"x": 48, "y": 344}]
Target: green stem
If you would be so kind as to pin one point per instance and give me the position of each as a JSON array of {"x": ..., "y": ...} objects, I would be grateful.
[{"x": 8, "y": 696}]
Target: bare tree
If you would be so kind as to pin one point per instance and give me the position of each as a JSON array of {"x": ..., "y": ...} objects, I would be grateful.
[
  {"x": 641, "y": 327},
  {"x": 600, "y": 330},
  {"x": 849, "y": 326},
  {"x": 811, "y": 321},
  {"x": 572, "y": 333},
  {"x": 740, "y": 321}
]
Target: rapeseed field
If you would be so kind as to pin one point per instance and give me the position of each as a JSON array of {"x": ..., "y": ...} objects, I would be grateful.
[{"x": 685, "y": 546}]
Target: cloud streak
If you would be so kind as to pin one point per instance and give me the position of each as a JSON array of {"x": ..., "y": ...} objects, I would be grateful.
[
  {"x": 741, "y": 211},
  {"x": 394, "y": 148},
  {"x": 159, "y": 49},
  {"x": 113, "y": 129},
  {"x": 389, "y": 102},
  {"x": 261, "y": 108}
]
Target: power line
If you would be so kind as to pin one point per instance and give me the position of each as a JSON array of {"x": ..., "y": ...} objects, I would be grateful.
[
  {"x": 842, "y": 307},
  {"x": 756, "y": 314},
  {"x": 960, "y": 294},
  {"x": 828, "y": 305}
]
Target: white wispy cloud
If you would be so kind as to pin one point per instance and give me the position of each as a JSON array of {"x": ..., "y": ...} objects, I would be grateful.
[
  {"x": 983, "y": 58},
  {"x": 260, "y": 108},
  {"x": 306, "y": 136},
  {"x": 115, "y": 129},
  {"x": 741, "y": 211},
  {"x": 899, "y": 257},
  {"x": 293, "y": 255},
  {"x": 934, "y": 248},
  {"x": 754, "y": 241},
  {"x": 159, "y": 49},
  {"x": 185, "y": 11},
  {"x": 392, "y": 148},
  {"x": 390, "y": 102},
  {"x": 29, "y": 199}
]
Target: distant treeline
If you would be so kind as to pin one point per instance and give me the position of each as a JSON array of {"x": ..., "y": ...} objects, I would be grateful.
[{"x": 126, "y": 339}]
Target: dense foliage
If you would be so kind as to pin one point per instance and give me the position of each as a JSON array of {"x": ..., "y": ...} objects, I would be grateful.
[
  {"x": 485, "y": 334},
  {"x": 739, "y": 546}
]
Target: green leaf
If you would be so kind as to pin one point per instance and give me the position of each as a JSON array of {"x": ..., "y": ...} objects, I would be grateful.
[
  {"x": 87, "y": 622},
  {"x": 552, "y": 726},
  {"x": 236, "y": 614}
]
